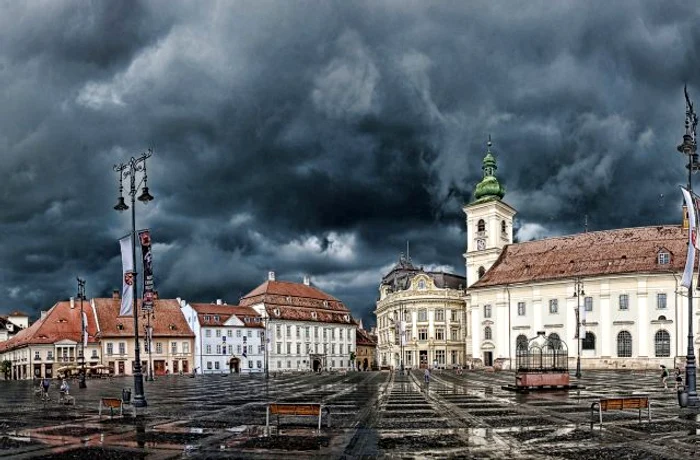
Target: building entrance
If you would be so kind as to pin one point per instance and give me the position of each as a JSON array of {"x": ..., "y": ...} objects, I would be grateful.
[
  {"x": 488, "y": 358},
  {"x": 234, "y": 365},
  {"x": 423, "y": 356}
]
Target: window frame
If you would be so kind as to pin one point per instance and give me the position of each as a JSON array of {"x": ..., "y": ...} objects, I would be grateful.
[{"x": 623, "y": 306}]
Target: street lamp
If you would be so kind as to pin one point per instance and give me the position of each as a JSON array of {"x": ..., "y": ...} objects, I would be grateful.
[
  {"x": 689, "y": 148},
  {"x": 83, "y": 331},
  {"x": 578, "y": 293},
  {"x": 130, "y": 169}
]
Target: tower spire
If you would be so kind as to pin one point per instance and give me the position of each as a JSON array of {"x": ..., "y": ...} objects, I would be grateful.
[{"x": 489, "y": 188}]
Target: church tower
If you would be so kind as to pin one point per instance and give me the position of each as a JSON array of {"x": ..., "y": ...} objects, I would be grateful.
[{"x": 489, "y": 221}]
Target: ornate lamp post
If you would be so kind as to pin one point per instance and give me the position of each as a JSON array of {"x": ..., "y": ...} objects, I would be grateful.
[
  {"x": 578, "y": 293},
  {"x": 129, "y": 170},
  {"x": 83, "y": 331},
  {"x": 689, "y": 148}
]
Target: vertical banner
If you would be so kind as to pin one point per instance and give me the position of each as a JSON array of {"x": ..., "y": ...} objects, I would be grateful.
[
  {"x": 582, "y": 329},
  {"x": 145, "y": 239},
  {"x": 127, "y": 307},
  {"x": 690, "y": 259},
  {"x": 85, "y": 330},
  {"x": 403, "y": 332},
  {"x": 578, "y": 322}
]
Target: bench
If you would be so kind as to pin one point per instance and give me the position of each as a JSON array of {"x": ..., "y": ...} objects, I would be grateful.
[
  {"x": 296, "y": 410},
  {"x": 638, "y": 402},
  {"x": 117, "y": 403}
]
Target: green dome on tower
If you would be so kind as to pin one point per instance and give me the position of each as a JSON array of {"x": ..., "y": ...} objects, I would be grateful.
[{"x": 489, "y": 188}]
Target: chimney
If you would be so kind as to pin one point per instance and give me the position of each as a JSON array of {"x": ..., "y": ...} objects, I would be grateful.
[
  {"x": 155, "y": 295},
  {"x": 115, "y": 294},
  {"x": 270, "y": 276},
  {"x": 307, "y": 280},
  {"x": 72, "y": 303},
  {"x": 43, "y": 314},
  {"x": 219, "y": 302}
]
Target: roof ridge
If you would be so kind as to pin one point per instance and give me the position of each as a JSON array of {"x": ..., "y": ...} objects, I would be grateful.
[{"x": 571, "y": 235}]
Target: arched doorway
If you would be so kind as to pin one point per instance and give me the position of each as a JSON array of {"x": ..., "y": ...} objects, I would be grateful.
[
  {"x": 316, "y": 365},
  {"x": 234, "y": 365},
  {"x": 365, "y": 364}
]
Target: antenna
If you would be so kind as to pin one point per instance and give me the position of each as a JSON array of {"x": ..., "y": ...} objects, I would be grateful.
[
  {"x": 585, "y": 223},
  {"x": 408, "y": 250}
]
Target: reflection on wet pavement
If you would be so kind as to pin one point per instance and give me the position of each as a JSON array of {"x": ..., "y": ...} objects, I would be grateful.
[{"x": 373, "y": 415}]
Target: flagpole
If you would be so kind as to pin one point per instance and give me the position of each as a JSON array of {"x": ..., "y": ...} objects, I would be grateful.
[{"x": 83, "y": 332}]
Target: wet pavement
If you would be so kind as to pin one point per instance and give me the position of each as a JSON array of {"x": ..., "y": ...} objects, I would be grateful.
[{"x": 373, "y": 415}]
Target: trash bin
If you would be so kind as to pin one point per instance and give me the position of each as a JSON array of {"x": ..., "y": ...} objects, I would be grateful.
[
  {"x": 126, "y": 395},
  {"x": 682, "y": 397}
]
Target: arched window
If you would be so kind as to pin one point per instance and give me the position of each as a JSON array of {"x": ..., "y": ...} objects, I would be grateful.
[
  {"x": 662, "y": 318},
  {"x": 624, "y": 345},
  {"x": 588, "y": 342},
  {"x": 481, "y": 226},
  {"x": 482, "y": 270},
  {"x": 555, "y": 341},
  {"x": 521, "y": 342},
  {"x": 503, "y": 226},
  {"x": 487, "y": 333},
  {"x": 662, "y": 344}
]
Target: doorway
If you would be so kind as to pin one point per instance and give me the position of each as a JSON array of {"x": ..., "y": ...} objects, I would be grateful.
[
  {"x": 365, "y": 364},
  {"x": 121, "y": 367},
  {"x": 234, "y": 365},
  {"x": 185, "y": 367},
  {"x": 176, "y": 367},
  {"x": 317, "y": 365},
  {"x": 423, "y": 356},
  {"x": 159, "y": 367},
  {"x": 488, "y": 358}
]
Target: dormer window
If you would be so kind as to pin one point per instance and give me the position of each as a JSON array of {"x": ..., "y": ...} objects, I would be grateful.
[
  {"x": 421, "y": 284},
  {"x": 313, "y": 315},
  {"x": 325, "y": 303},
  {"x": 277, "y": 312},
  {"x": 216, "y": 318},
  {"x": 346, "y": 318},
  {"x": 664, "y": 258},
  {"x": 172, "y": 327}
]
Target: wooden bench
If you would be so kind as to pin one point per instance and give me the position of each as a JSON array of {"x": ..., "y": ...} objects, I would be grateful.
[
  {"x": 115, "y": 403},
  {"x": 638, "y": 402},
  {"x": 296, "y": 410}
]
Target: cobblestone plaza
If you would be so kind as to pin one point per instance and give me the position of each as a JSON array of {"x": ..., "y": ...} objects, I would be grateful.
[{"x": 373, "y": 415}]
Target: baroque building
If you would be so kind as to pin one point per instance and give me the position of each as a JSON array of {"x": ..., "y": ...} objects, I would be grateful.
[
  {"x": 421, "y": 318},
  {"x": 612, "y": 297},
  {"x": 307, "y": 329}
]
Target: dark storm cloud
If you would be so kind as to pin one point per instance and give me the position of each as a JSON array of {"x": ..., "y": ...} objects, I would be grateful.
[{"x": 316, "y": 138}]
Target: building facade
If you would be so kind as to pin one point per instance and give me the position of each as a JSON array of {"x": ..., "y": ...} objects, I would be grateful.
[
  {"x": 228, "y": 338},
  {"x": 366, "y": 355},
  {"x": 53, "y": 345},
  {"x": 421, "y": 318},
  {"x": 308, "y": 329},
  {"x": 171, "y": 345}
]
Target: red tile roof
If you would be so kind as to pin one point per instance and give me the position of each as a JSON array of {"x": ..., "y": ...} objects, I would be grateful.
[
  {"x": 60, "y": 323},
  {"x": 364, "y": 338},
  {"x": 225, "y": 312},
  {"x": 610, "y": 252},
  {"x": 297, "y": 302},
  {"x": 168, "y": 319}
]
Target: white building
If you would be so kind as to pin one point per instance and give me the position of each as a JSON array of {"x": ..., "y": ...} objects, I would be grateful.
[
  {"x": 228, "y": 338},
  {"x": 308, "y": 329},
  {"x": 420, "y": 318}
]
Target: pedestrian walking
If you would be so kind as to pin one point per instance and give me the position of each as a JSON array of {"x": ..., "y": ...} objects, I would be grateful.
[
  {"x": 45, "y": 385},
  {"x": 664, "y": 376},
  {"x": 426, "y": 375},
  {"x": 679, "y": 378}
]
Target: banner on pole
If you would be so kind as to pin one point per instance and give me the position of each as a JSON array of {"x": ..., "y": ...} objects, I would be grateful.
[
  {"x": 145, "y": 239},
  {"x": 85, "y": 330},
  {"x": 127, "y": 307},
  {"x": 692, "y": 239}
]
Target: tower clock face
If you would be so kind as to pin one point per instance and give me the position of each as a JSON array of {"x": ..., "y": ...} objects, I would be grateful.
[{"x": 480, "y": 244}]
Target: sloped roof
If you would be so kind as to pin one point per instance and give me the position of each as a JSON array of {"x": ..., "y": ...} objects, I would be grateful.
[
  {"x": 364, "y": 338},
  {"x": 60, "y": 323},
  {"x": 225, "y": 312},
  {"x": 297, "y": 302},
  {"x": 168, "y": 319},
  {"x": 609, "y": 252}
]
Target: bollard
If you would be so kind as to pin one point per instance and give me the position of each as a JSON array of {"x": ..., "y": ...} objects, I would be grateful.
[{"x": 682, "y": 397}]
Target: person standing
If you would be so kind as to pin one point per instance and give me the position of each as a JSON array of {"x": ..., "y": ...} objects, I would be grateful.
[
  {"x": 664, "y": 376},
  {"x": 679, "y": 378},
  {"x": 426, "y": 375}
]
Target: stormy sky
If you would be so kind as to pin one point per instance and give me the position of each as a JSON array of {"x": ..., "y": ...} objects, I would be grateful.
[{"x": 317, "y": 137}]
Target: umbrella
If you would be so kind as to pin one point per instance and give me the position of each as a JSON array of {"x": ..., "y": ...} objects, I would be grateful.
[
  {"x": 98, "y": 366},
  {"x": 63, "y": 368}
]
